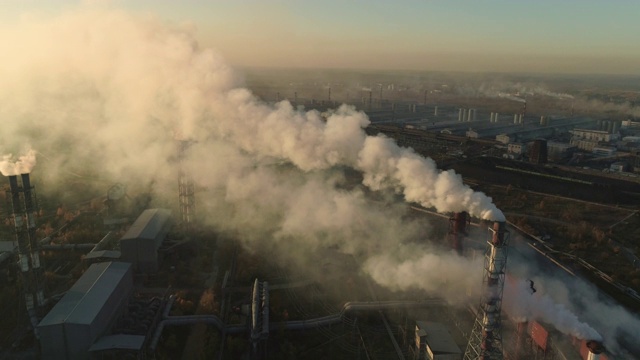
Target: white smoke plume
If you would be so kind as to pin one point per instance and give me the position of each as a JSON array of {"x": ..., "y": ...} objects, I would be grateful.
[
  {"x": 521, "y": 303},
  {"x": 102, "y": 93},
  {"x": 22, "y": 165},
  {"x": 136, "y": 86},
  {"x": 446, "y": 275}
]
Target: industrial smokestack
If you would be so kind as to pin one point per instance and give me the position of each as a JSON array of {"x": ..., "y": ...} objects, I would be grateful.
[
  {"x": 515, "y": 118},
  {"x": 435, "y": 110},
  {"x": 30, "y": 211},
  {"x": 460, "y": 114},
  {"x": 494, "y": 272},
  {"x": 18, "y": 221},
  {"x": 458, "y": 224},
  {"x": 595, "y": 349}
]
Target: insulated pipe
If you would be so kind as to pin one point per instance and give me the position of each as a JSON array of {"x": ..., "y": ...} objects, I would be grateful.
[{"x": 62, "y": 247}]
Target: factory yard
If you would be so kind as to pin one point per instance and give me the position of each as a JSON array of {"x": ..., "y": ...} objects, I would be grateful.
[{"x": 596, "y": 233}]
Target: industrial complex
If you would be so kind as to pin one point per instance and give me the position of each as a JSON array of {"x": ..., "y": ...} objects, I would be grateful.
[{"x": 120, "y": 278}]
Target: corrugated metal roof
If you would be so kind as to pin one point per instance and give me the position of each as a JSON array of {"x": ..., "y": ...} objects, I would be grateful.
[
  {"x": 8, "y": 246},
  {"x": 112, "y": 254},
  {"x": 438, "y": 339},
  {"x": 87, "y": 296},
  {"x": 148, "y": 225},
  {"x": 119, "y": 341}
]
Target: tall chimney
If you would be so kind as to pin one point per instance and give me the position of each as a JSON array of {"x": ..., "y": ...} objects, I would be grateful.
[
  {"x": 494, "y": 272},
  {"x": 435, "y": 110},
  {"x": 30, "y": 211},
  {"x": 458, "y": 230},
  {"x": 22, "y": 237}
]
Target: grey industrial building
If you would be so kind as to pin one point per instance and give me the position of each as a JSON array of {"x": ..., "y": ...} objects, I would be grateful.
[
  {"x": 86, "y": 312},
  {"x": 141, "y": 242},
  {"x": 434, "y": 342}
]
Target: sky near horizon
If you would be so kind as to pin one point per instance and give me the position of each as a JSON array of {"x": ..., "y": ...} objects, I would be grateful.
[{"x": 546, "y": 36}]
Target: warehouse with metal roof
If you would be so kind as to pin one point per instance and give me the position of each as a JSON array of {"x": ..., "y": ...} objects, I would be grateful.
[
  {"x": 141, "y": 242},
  {"x": 86, "y": 312}
]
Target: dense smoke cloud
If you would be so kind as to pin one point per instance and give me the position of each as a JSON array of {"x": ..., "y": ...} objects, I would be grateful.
[
  {"x": 23, "y": 165},
  {"x": 445, "y": 274},
  {"x": 523, "y": 304},
  {"x": 106, "y": 94}
]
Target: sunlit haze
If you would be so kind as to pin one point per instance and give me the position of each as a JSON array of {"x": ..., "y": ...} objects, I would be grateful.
[{"x": 506, "y": 36}]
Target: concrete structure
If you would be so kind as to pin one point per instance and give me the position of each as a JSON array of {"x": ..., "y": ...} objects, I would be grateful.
[
  {"x": 86, "y": 312},
  {"x": 141, "y": 242},
  {"x": 434, "y": 342}
]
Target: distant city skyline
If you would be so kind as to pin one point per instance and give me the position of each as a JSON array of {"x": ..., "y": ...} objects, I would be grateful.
[{"x": 544, "y": 36}]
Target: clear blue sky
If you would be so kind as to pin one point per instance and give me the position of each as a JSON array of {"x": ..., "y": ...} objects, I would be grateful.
[{"x": 483, "y": 35}]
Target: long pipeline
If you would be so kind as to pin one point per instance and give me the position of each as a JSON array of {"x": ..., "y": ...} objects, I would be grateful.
[
  {"x": 353, "y": 307},
  {"x": 290, "y": 325}
]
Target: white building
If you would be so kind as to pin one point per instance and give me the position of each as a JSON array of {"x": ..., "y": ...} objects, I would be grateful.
[
  {"x": 516, "y": 148},
  {"x": 503, "y": 138},
  {"x": 585, "y": 139}
]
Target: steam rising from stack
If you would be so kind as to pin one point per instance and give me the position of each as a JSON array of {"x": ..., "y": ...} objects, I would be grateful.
[
  {"x": 23, "y": 165},
  {"x": 104, "y": 92},
  {"x": 522, "y": 305}
]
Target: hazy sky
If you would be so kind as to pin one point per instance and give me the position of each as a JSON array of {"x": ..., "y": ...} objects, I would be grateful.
[{"x": 586, "y": 36}]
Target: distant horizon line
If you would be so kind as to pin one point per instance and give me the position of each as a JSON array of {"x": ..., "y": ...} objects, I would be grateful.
[{"x": 391, "y": 70}]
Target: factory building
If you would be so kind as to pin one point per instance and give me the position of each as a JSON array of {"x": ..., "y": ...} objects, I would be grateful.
[
  {"x": 585, "y": 139},
  {"x": 434, "y": 342},
  {"x": 141, "y": 242},
  {"x": 86, "y": 312}
]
